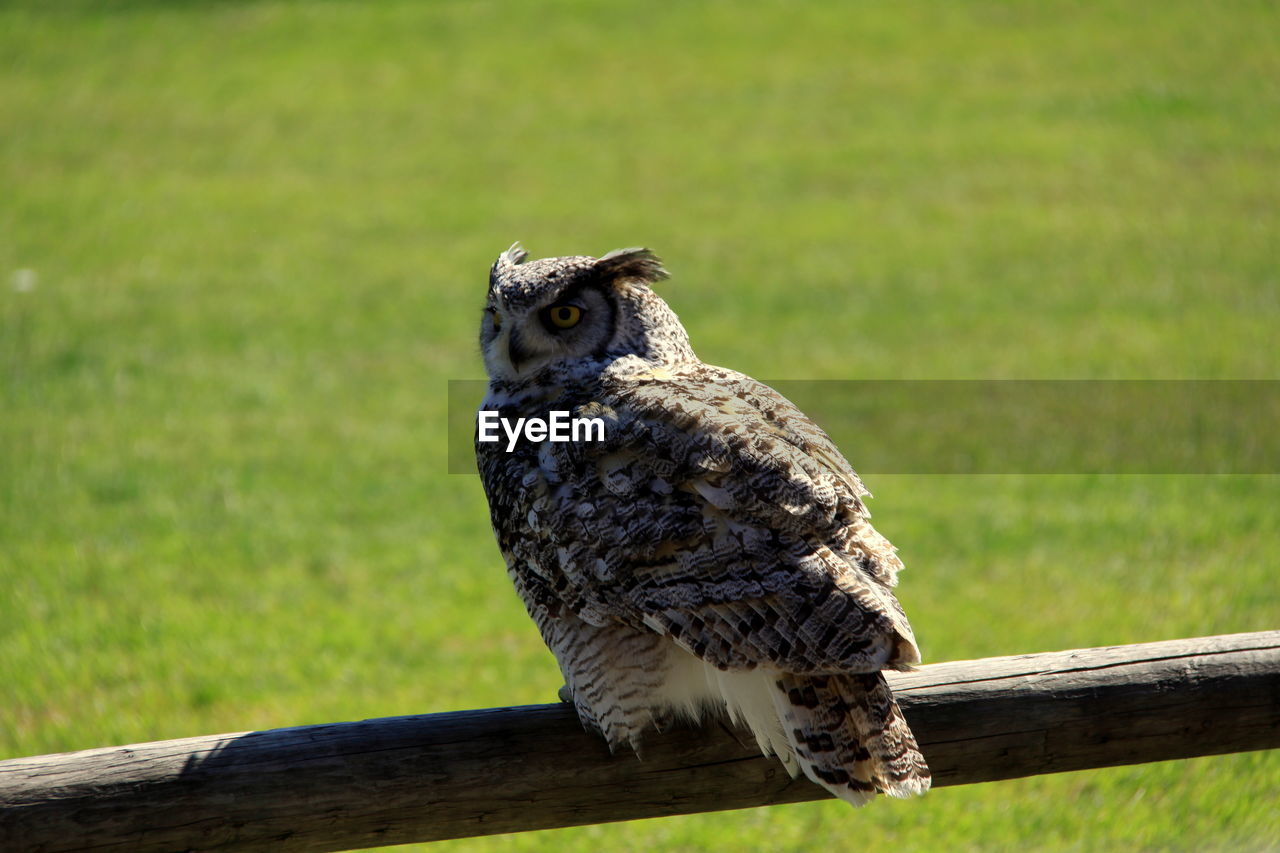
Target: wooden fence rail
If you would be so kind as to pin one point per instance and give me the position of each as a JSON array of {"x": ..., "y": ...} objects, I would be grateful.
[{"x": 403, "y": 779}]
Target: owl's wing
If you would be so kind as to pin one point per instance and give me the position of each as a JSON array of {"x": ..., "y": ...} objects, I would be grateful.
[{"x": 716, "y": 513}]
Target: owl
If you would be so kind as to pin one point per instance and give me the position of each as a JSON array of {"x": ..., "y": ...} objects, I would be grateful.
[{"x": 708, "y": 551}]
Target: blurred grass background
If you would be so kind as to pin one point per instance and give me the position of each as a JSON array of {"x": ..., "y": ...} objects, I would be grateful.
[{"x": 244, "y": 247}]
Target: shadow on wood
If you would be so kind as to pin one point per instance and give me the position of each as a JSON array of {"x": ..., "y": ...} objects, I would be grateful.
[{"x": 403, "y": 779}]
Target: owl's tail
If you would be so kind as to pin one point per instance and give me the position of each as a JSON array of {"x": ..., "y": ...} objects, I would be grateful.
[{"x": 849, "y": 735}]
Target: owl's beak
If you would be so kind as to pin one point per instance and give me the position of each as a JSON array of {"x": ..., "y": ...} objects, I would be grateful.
[{"x": 516, "y": 352}]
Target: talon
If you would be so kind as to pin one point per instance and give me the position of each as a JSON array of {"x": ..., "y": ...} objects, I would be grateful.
[{"x": 565, "y": 694}]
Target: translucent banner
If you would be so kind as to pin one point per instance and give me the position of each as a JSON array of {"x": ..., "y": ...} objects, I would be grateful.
[{"x": 1013, "y": 426}]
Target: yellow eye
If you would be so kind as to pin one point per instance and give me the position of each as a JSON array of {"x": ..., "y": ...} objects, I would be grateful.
[
  {"x": 497, "y": 320},
  {"x": 564, "y": 316}
]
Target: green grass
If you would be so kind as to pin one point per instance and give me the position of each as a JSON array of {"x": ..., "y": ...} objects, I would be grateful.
[{"x": 259, "y": 233}]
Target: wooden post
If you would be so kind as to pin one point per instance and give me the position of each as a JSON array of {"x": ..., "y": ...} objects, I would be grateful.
[{"x": 405, "y": 779}]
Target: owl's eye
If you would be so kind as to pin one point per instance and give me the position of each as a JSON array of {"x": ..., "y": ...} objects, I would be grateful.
[
  {"x": 562, "y": 316},
  {"x": 497, "y": 320}
]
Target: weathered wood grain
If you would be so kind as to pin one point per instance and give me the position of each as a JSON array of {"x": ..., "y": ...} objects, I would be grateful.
[{"x": 403, "y": 779}]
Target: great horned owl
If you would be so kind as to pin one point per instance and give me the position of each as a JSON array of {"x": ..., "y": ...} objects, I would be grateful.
[{"x": 710, "y": 552}]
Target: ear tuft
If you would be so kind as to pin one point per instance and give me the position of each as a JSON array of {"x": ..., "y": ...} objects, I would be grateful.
[
  {"x": 510, "y": 258},
  {"x": 514, "y": 256},
  {"x": 639, "y": 264}
]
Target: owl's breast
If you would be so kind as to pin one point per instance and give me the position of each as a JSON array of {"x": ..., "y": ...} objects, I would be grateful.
[{"x": 538, "y": 463}]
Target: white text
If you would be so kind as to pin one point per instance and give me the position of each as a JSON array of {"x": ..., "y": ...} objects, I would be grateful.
[{"x": 559, "y": 426}]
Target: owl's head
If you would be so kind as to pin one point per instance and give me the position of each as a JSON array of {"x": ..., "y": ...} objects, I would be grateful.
[{"x": 568, "y": 311}]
